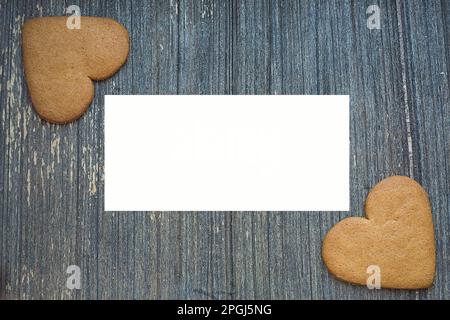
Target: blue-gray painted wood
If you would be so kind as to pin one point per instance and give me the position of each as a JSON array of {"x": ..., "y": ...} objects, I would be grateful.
[{"x": 51, "y": 177}]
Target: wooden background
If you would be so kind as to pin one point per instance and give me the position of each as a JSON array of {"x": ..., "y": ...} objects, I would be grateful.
[{"x": 51, "y": 177}]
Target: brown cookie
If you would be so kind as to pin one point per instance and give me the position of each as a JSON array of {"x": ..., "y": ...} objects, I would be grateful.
[
  {"x": 397, "y": 236},
  {"x": 60, "y": 63}
]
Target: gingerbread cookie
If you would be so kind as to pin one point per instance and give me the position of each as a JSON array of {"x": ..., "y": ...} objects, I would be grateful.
[
  {"x": 60, "y": 63},
  {"x": 397, "y": 236}
]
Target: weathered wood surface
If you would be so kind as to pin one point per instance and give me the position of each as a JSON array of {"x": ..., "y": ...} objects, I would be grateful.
[{"x": 51, "y": 177}]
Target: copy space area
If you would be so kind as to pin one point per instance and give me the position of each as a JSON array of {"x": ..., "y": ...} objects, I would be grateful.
[{"x": 226, "y": 153}]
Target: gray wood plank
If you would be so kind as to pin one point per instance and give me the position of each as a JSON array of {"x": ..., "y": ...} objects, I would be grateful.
[
  {"x": 427, "y": 64},
  {"x": 51, "y": 177},
  {"x": 320, "y": 47}
]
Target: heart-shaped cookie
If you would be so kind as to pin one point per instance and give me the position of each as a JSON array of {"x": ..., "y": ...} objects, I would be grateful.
[
  {"x": 60, "y": 63},
  {"x": 397, "y": 236}
]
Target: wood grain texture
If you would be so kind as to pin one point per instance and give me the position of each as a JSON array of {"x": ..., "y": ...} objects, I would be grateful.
[{"x": 51, "y": 177}]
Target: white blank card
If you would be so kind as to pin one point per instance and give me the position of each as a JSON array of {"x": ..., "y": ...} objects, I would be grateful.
[{"x": 226, "y": 153}]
